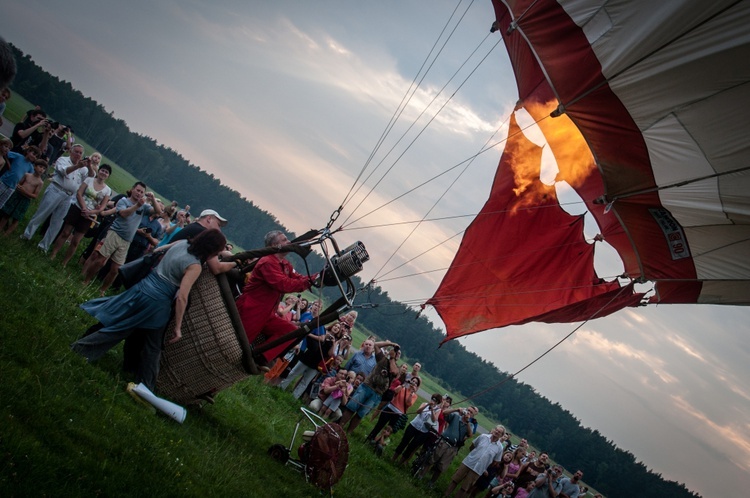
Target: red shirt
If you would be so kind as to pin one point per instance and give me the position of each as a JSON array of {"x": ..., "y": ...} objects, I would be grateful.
[{"x": 269, "y": 281}]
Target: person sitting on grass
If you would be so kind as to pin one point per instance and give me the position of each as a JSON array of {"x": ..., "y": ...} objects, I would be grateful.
[
  {"x": 382, "y": 440},
  {"x": 27, "y": 189},
  {"x": 337, "y": 389},
  {"x": 326, "y": 388}
]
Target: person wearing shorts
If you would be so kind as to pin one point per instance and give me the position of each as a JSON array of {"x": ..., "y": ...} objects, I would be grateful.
[
  {"x": 130, "y": 210},
  {"x": 90, "y": 200}
]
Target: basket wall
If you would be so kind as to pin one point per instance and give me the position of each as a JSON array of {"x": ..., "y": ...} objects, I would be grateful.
[{"x": 209, "y": 356}]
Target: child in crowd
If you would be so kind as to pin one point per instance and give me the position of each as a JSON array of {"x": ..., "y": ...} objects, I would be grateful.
[
  {"x": 382, "y": 439},
  {"x": 501, "y": 491},
  {"x": 28, "y": 188},
  {"x": 5, "y": 146},
  {"x": 525, "y": 491},
  {"x": 20, "y": 164}
]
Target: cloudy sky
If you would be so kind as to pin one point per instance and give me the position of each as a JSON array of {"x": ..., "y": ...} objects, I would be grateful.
[{"x": 285, "y": 102}]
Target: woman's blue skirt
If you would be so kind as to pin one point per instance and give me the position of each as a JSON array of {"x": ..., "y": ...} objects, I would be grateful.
[{"x": 146, "y": 305}]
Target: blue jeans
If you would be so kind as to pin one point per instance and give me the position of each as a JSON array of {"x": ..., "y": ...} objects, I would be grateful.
[{"x": 363, "y": 400}]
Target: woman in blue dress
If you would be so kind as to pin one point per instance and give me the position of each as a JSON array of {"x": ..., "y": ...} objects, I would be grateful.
[{"x": 147, "y": 306}]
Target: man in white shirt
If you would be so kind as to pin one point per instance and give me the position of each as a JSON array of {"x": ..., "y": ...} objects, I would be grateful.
[
  {"x": 486, "y": 449},
  {"x": 68, "y": 175}
]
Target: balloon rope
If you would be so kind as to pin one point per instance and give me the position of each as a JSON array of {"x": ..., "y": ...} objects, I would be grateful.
[
  {"x": 406, "y": 99},
  {"x": 419, "y": 134}
]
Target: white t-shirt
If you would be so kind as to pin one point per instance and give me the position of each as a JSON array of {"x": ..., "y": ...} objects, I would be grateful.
[{"x": 92, "y": 197}]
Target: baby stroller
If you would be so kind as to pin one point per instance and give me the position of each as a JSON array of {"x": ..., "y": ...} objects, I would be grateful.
[{"x": 322, "y": 455}]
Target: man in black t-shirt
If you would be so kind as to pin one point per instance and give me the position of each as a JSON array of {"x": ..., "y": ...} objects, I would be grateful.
[
  {"x": 208, "y": 219},
  {"x": 29, "y": 131}
]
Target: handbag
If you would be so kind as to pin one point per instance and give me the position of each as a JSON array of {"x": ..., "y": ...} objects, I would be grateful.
[
  {"x": 400, "y": 422},
  {"x": 133, "y": 272}
]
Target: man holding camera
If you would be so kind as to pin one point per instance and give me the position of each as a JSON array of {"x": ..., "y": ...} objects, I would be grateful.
[
  {"x": 532, "y": 469},
  {"x": 30, "y": 131},
  {"x": 547, "y": 484},
  {"x": 57, "y": 141},
  {"x": 68, "y": 175},
  {"x": 458, "y": 428},
  {"x": 149, "y": 232},
  {"x": 115, "y": 245}
]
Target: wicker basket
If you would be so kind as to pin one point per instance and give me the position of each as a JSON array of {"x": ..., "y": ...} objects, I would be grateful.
[{"x": 212, "y": 354}]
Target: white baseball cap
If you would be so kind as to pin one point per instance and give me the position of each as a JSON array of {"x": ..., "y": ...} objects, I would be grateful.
[{"x": 211, "y": 212}]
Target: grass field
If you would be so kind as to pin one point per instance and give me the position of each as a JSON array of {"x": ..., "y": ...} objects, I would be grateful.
[{"x": 70, "y": 429}]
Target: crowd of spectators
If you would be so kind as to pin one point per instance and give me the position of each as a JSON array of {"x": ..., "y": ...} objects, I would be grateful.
[
  {"x": 78, "y": 203},
  {"x": 373, "y": 382},
  {"x": 339, "y": 384}
]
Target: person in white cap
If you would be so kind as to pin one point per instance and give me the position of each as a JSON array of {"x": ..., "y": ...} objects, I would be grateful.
[{"x": 207, "y": 219}]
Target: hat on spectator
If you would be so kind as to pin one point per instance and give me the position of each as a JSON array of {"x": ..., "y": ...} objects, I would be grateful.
[{"x": 211, "y": 212}]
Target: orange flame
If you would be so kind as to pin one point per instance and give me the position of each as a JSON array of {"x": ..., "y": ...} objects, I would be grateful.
[{"x": 571, "y": 152}]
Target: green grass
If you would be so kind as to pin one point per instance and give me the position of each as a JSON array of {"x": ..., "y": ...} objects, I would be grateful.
[{"x": 70, "y": 429}]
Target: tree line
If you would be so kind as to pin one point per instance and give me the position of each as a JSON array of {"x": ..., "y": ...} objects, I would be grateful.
[{"x": 546, "y": 425}]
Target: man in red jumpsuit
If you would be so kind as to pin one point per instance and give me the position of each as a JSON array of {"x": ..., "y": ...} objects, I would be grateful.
[{"x": 272, "y": 277}]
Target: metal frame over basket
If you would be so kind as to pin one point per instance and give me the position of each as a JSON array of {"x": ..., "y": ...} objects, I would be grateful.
[{"x": 214, "y": 352}]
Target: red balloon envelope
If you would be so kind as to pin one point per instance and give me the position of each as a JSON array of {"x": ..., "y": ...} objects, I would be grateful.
[{"x": 650, "y": 100}]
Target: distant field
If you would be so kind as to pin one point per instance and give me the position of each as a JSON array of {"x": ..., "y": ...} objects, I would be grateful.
[{"x": 119, "y": 181}]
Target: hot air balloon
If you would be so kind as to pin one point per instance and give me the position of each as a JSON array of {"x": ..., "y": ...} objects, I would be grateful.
[{"x": 643, "y": 105}]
